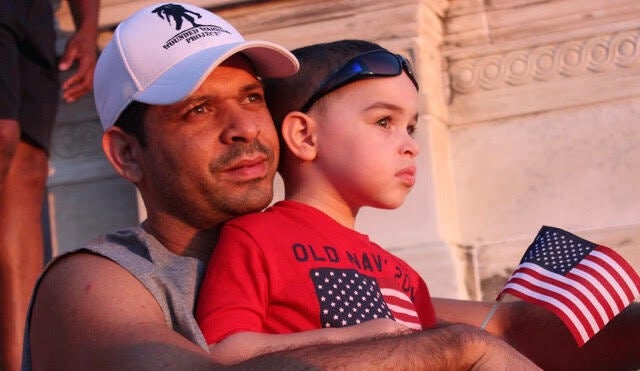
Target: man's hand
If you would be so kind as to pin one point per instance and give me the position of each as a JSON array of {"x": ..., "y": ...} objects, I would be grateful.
[{"x": 498, "y": 355}]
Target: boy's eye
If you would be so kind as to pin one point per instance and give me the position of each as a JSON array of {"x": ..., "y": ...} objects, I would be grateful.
[
  {"x": 385, "y": 122},
  {"x": 411, "y": 129}
]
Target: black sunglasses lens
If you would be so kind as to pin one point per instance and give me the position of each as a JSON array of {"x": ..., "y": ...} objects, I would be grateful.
[
  {"x": 386, "y": 64},
  {"x": 376, "y": 63},
  {"x": 381, "y": 63}
]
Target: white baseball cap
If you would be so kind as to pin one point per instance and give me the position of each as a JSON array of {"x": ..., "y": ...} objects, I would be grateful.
[{"x": 162, "y": 53}]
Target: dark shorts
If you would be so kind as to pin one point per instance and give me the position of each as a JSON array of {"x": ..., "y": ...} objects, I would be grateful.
[{"x": 29, "y": 86}]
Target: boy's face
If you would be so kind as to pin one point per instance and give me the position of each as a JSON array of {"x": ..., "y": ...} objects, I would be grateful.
[{"x": 365, "y": 139}]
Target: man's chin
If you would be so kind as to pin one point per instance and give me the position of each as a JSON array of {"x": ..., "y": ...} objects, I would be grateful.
[
  {"x": 253, "y": 202},
  {"x": 256, "y": 206}
]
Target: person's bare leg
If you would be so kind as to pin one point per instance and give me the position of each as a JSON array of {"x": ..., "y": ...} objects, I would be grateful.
[
  {"x": 21, "y": 246},
  {"x": 9, "y": 138}
]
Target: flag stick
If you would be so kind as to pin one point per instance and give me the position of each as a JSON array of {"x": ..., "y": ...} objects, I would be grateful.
[{"x": 491, "y": 313}]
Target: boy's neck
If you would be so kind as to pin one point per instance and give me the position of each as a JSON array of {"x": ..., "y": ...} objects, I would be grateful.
[
  {"x": 334, "y": 207},
  {"x": 306, "y": 183}
]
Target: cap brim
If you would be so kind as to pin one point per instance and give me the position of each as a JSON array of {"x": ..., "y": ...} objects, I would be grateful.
[{"x": 184, "y": 77}]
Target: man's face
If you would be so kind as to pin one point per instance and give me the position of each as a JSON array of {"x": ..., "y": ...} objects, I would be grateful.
[{"x": 212, "y": 156}]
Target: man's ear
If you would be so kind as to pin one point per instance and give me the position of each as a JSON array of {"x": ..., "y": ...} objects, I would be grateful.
[
  {"x": 123, "y": 151},
  {"x": 299, "y": 133}
]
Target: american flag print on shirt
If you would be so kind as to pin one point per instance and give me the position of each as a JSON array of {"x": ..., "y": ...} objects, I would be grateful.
[
  {"x": 583, "y": 283},
  {"x": 347, "y": 298}
]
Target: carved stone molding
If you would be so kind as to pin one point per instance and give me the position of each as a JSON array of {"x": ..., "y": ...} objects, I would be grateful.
[
  {"x": 76, "y": 141},
  {"x": 548, "y": 62}
]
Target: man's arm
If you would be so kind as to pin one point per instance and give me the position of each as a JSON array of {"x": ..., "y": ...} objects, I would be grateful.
[
  {"x": 541, "y": 335},
  {"x": 91, "y": 313},
  {"x": 81, "y": 48},
  {"x": 447, "y": 347}
]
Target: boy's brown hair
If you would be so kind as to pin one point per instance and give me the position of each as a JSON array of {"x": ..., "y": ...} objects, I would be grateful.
[{"x": 317, "y": 63}]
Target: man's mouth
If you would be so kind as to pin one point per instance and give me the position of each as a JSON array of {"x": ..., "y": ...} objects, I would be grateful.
[{"x": 248, "y": 168}]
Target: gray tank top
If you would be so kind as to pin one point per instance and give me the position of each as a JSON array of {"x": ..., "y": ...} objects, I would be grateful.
[{"x": 173, "y": 280}]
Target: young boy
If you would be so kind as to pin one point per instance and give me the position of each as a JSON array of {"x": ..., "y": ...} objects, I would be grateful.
[{"x": 298, "y": 273}]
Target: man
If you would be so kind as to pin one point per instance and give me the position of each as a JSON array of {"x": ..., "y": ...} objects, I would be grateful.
[
  {"x": 201, "y": 148},
  {"x": 29, "y": 91}
]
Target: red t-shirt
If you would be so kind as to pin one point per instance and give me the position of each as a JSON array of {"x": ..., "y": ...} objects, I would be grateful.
[{"x": 292, "y": 268}]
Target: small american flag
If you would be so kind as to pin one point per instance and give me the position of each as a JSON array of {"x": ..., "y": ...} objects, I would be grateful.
[
  {"x": 583, "y": 283},
  {"x": 347, "y": 298}
]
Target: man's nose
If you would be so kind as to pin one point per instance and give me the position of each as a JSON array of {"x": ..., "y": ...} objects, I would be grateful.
[{"x": 240, "y": 127}]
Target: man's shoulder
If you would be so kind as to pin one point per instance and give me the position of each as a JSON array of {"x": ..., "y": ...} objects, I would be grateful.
[
  {"x": 80, "y": 265},
  {"x": 77, "y": 298},
  {"x": 72, "y": 275},
  {"x": 85, "y": 261}
]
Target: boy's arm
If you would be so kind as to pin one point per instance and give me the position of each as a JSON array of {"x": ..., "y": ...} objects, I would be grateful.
[
  {"x": 542, "y": 336},
  {"x": 244, "y": 345}
]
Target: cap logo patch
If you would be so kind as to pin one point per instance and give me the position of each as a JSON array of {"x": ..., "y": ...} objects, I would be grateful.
[{"x": 179, "y": 14}]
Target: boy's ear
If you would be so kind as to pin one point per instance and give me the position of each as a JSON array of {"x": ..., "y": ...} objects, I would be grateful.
[
  {"x": 299, "y": 134},
  {"x": 123, "y": 150}
]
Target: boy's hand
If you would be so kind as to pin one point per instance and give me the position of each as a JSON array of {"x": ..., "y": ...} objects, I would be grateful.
[{"x": 382, "y": 326}]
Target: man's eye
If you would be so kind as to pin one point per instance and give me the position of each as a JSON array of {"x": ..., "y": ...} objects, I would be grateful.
[
  {"x": 255, "y": 98},
  {"x": 197, "y": 110}
]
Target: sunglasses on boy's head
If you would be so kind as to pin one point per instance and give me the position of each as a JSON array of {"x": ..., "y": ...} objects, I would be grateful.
[{"x": 377, "y": 63}]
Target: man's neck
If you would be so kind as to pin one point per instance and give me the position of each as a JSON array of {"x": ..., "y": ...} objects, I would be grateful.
[{"x": 182, "y": 239}]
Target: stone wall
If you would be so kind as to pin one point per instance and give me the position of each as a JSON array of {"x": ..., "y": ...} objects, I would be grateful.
[
  {"x": 85, "y": 196},
  {"x": 527, "y": 120},
  {"x": 543, "y": 99}
]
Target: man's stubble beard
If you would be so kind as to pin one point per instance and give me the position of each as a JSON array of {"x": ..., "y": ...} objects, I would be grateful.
[{"x": 226, "y": 201}]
